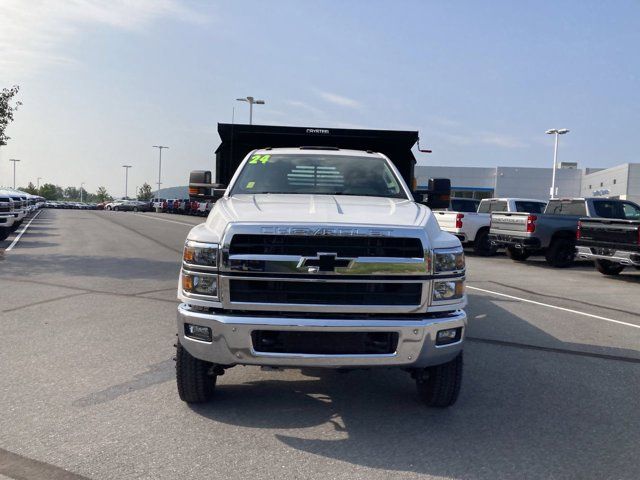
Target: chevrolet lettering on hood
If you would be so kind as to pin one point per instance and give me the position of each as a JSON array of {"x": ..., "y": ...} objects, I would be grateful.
[{"x": 326, "y": 231}]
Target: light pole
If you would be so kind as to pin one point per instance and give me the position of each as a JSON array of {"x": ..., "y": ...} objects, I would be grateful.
[
  {"x": 251, "y": 101},
  {"x": 14, "y": 160},
  {"x": 126, "y": 179},
  {"x": 81, "y": 184},
  {"x": 159, "y": 147},
  {"x": 557, "y": 132},
  {"x": 38, "y": 183}
]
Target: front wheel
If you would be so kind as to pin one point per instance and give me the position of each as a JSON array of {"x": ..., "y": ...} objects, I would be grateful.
[
  {"x": 517, "y": 254},
  {"x": 135, "y": 209},
  {"x": 439, "y": 386},
  {"x": 482, "y": 244},
  {"x": 561, "y": 253},
  {"x": 194, "y": 377},
  {"x": 4, "y": 233},
  {"x": 606, "y": 267}
]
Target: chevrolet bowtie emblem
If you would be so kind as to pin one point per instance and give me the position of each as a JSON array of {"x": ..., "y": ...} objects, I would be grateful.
[{"x": 324, "y": 262}]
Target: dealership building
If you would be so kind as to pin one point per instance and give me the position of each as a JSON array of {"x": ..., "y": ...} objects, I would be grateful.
[{"x": 622, "y": 181}]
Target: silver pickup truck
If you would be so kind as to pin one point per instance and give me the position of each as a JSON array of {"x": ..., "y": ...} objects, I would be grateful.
[
  {"x": 317, "y": 257},
  {"x": 552, "y": 233}
]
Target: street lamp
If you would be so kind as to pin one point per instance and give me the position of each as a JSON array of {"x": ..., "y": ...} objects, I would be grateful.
[
  {"x": 14, "y": 160},
  {"x": 159, "y": 147},
  {"x": 251, "y": 101},
  {"x": 81, "y": 184},
  {"x": 126, "y": 179},
  {"x": 38, "y": 182},
  {"x": 556, "y": 132}
]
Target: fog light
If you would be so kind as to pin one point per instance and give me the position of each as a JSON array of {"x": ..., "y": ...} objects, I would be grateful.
[
  {"x": 450, "y": 335},
  {"x": 198, "y": 332}
]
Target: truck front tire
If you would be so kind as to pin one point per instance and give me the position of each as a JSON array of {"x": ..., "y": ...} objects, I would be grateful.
[
  {"x": 195, "y": 381},
  {"x": 561, "y": 253},
  {"x": 517, "y": 254},
  {"x": 606, "y": 267},
  {"x": 439, "y": 386}
]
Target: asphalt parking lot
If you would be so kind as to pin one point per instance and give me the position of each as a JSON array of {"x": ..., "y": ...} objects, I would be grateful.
[{"x": 87, "y": 391}]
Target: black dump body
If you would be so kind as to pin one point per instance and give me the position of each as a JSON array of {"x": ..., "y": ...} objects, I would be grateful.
[{"x": 239, "y": 140}]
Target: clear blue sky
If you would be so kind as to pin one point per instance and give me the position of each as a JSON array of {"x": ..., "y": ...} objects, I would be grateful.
[{"x": 102, "y": 82}]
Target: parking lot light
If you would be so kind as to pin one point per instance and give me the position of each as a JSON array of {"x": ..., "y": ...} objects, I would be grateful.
[{"x": 556, "y": 132}]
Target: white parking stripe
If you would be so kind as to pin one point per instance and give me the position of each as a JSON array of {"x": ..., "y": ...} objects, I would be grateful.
[
  {"x": 577, "y": 312},
  {"x": 138, "y": 215},
  {"x": 24, "y": 229}
]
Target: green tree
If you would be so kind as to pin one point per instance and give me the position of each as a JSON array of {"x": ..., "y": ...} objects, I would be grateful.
[
  {"x": 72, "y": 193},
  {"x": 6, "y": 110},
  {"x": 31, "y": 188},
  {"x": 144, "y": 192},
  {"x": 50, "y": 191},
  {"x": 102, "y": 195}
]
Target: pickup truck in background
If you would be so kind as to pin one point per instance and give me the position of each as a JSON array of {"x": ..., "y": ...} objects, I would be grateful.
[
  {"x": 612, "y": 243},
  {"x": 472, "y": 227},
  {"x": 320, "y": 256},
  {"x": 552, "y": 233},
  {"x": 6, "y": 215}
]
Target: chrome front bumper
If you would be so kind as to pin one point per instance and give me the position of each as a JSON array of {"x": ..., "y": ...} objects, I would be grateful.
[
  {"x": 618, "y": 256},
  {"x": 6, "y": 220},
  {"x": 232, "y": 343}
]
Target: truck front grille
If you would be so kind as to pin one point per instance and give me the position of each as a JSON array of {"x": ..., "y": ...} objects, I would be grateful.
[
  {"x": 325, "y": 293},
  {"x": 324, "y": 343},
  {"x": 351, "y": 247}
]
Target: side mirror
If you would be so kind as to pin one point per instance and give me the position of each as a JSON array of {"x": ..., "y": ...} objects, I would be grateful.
[
  {"x": 201, "y": 188},
  {"x": 436, "y": 195}
]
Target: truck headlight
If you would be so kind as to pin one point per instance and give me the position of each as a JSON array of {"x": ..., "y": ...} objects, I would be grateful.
[
  {"x": 200, "y": 283},
  {"x": 448, "y": 290},
  {"x": 448, "y": 260},
  {"x": 200, "y": 255}
]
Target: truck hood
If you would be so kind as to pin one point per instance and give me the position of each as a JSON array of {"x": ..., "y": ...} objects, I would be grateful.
[{"x": 331, "y": 209}]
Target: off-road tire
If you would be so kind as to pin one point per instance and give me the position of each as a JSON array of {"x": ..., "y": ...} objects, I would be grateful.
[
  {"x": 606, "y": 267},
  {"x": 516, "y": 254},
  {"x": 482, "y": 245},
  {"x": 4, "y": 233},
  {"x": 561, "y": 253},
  {"x": 195, "y": 382},
  {"x": 439, "y": 386}
]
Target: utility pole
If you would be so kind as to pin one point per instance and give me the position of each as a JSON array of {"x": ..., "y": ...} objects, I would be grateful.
[
  {"x": 159, "y": 147},
  {"x": 81, "y": 184},
  {"x": 556, "y": 132},
  {"x": 126, "y": 179},
  {"x": 14, "y": 160},
  {"x": 251, "y": 101}
]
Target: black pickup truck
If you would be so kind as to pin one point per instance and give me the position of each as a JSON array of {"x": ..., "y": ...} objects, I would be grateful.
[{"x": 612, "y": 244}]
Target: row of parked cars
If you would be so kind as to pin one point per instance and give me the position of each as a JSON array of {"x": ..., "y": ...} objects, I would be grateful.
[
  {"x": 183, "y": 206},
  {"x": 70, "y": 205},
  {"x": 605, "y": 230},
  {"x": 15, "y": 206}
]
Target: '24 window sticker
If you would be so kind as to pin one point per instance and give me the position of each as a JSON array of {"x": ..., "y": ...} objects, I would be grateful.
[{"x": 263, "y": 159}]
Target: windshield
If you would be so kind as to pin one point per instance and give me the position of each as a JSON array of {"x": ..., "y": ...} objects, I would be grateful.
[
  {"x": 530, "y": 207},
  {"x": 616, "y": 209},
  {"x": 318, "y": 174}
]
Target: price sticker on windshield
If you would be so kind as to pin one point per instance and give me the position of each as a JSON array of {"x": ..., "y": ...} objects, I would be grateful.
[{"x": 259, "y": 159}]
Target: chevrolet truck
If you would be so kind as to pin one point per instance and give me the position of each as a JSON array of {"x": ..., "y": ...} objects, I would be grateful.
[
  {"x": 612, "y": 243},
  {"x": 6, "y": 215},
  {"x": 472, "y": 228},
  {"x": 320, "y": 256},
  {"x": 552, "y": 233}
]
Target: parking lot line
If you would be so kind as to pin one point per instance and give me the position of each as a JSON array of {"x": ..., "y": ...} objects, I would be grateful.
[
  {"x": 165, "y": 220},
  {"x": 577, "y": 312},
  {"x": 24, "y": 229}
]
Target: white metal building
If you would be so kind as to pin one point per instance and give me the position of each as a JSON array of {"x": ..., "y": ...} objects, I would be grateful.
[{"x": 622, "y": 181}]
